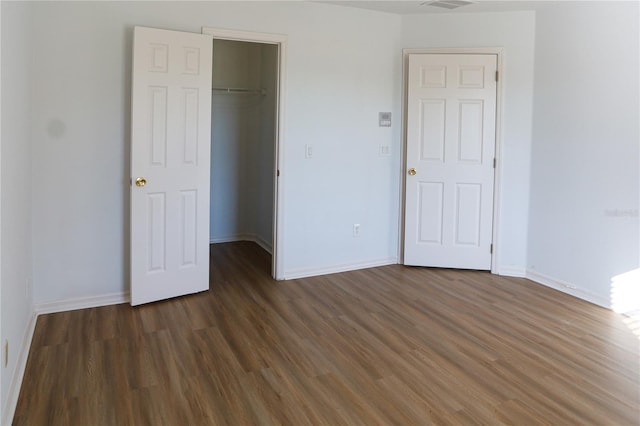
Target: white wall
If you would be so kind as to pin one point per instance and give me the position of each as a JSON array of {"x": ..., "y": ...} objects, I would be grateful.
[
  {"x": 514, "y": 32},
  {"x": 342, "y": 69},
  {"x": 16, "y": 257},
  {"x": 583, "y": 226}
]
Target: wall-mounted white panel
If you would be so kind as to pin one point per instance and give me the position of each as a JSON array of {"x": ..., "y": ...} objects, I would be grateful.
[
  {"x": 191, "y": 60},
  {"x": 432, "y": 129},
  {"x": 470, "y": 131},
  {"x": 156, "y": 207},
  {"x": 158, "y": 125},
  {"x": 158, "y": 57},
  {"x": 433, "y": 77},
  {"x": 468, "y": 209},
  {"x": 188, "y": 228},
  {"x": 191, "y": 112},
  {"x": 471, "y": 77},
  {"x": 430, "y": 207}
]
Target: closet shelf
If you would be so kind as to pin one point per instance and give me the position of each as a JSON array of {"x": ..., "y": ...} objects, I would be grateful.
[{"x": 242, "y": 90}]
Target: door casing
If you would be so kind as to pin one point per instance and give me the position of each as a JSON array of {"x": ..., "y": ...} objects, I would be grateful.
[
  {"x": 277, "y": 260},
  {"x": 497, "y": 200}
]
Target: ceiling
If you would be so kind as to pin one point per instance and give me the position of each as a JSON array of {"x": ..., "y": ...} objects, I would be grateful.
[{"x": 402, "y": 7}]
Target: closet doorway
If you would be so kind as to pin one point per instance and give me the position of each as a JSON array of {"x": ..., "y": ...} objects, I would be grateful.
[{"x": 246, "y": 140}]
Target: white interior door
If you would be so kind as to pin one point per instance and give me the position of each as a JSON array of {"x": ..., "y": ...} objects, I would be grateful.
[
  {"x": 451, "y": 114},
  {"x": 170, "y": 145}
]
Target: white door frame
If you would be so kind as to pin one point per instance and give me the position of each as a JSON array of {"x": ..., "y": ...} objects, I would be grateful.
[
  {"x": 277, "y": 259},
  {"x": 497, "y": 201}
]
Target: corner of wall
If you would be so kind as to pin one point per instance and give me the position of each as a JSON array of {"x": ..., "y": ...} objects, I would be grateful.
[
  {"x": 567, "y": 288},
  {"x": 17, "y": 316},
  {"x": 581, "y": 219}
]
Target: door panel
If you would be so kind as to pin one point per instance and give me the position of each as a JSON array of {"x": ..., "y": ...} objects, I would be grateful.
[
  {"x": 170, "y": 145},
  {"x": 430, "y": 212},
  {"x": 451, "y": 111},
  {"x": 470, "y": 140},
  {"x": 468, "y": 214},
  {"x": 432, "y": 123}
]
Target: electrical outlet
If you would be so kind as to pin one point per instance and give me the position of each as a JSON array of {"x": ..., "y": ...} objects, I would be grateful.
[
  {"x": 5, "y": 354},
  {"x": 356, "y": 229}
]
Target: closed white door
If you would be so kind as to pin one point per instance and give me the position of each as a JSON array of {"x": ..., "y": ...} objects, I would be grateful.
[
  {"x": 170, "y": 145},
  {"x": 451, "y": 114}
]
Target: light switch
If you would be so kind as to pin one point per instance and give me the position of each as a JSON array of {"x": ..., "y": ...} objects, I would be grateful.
[{"x": 308, "y": 151}]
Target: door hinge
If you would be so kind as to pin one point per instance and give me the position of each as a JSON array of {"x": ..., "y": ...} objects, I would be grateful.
[
  {"x": 491, "y": 249},
  {"x": 496, "y": 75},
  {"x": 278, "y": 173},
  {"x": 494, "y": 163}
]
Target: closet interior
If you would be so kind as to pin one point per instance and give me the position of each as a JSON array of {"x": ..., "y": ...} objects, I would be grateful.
[{"x": 243, "y": 140}]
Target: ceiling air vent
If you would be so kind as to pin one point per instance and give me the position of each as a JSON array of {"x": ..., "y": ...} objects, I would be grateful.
[{"x": 446, "y": 4}]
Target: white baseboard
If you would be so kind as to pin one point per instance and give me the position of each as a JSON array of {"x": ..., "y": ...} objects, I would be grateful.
[
  {"x": 265, "y": 245},
  {"x": 312, "y": 272},
  {"x": 512, "y": 271},
  {"x": 48, "y": 308},
  {"x": 81, "y": 303},
  {"x": 567, "y": 288},
  {"x": 21, "y": 365},
  {"x": 244, "y": 237}
]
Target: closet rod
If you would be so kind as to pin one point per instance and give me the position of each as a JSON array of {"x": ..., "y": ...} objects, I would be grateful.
[{"x": 262, "y": 92}]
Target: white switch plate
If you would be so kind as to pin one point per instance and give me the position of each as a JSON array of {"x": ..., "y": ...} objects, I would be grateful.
[
  {"x": 308, "y": 151},
  {"x": 385, "y": 151}
]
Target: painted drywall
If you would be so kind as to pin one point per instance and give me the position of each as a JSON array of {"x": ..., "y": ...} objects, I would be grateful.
[
  {"x": 514, "y": 32},
  {"x": 242, "y": 142},
  {"x": 16, "y": 250},
  {"x": 343, "y": 68},
  {"x": 583, "y": 226}
]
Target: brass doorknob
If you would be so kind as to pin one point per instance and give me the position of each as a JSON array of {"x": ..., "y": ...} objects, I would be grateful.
[
  {"x": 412, "y": 171},
  {"x": 141, "y": 182}
]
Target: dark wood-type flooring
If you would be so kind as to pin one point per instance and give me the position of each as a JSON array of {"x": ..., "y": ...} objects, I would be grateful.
[{"x": 389, "y": 345}]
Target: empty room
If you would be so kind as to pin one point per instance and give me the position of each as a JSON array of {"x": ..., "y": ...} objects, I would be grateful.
[{"x": 319, "y": 212}]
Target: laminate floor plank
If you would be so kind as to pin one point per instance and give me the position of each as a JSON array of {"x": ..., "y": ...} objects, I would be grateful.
[{"x": 389, "y": 345}]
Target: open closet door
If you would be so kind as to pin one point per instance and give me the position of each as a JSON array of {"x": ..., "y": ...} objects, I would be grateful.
[{"x": 170, "y": 145}]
